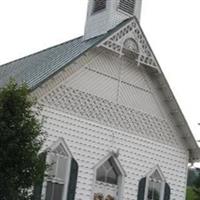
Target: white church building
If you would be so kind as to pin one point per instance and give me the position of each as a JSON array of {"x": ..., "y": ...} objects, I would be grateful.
[{"x": 115, "y": 130}]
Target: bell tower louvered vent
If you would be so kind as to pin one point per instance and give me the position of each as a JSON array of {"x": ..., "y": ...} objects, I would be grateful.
[
  {"x": 127, "y": 6},
  {"x": 99, "y": 5},
  {"x": 104, "y": 15}
]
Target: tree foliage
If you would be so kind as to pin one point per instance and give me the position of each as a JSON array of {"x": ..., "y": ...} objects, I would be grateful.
[
  {"x": 21, "y": 138},
  {"x": 193, "y": 190},
  {"x": 196, "y": 188}
]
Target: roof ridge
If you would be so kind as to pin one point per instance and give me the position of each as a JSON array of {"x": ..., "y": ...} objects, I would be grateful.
[{"x": 32, "y": 54}]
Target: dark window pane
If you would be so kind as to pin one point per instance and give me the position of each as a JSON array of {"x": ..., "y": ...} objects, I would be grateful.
[
  {"x": 112, "y": 177},
  {"x": 58, "y": 191},
  {"x": 49, "y": 190},
  {"x": 154, "y": 190},
  {"x": 107, "y": 172},
  {"x": 99, "y": 5},
  {"x": 101, "y": 174},
  {"x": 54, "y": 191},
  {"x": 107, "y": 165}
]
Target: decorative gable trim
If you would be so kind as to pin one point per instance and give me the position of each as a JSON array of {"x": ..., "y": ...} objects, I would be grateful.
[{"x": 132, "y": 30}]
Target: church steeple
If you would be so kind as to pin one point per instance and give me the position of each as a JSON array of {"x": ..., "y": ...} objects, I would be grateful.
[{"x": 103, "y": 15}]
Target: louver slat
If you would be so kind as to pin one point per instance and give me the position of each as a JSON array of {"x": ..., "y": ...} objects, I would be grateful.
[
  {"x": 99, "y": 5},
  {"x": 127, "y": 6}
]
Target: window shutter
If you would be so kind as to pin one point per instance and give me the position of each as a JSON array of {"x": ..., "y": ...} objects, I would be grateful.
[
  {"x": 141, "y": 189},
  {"x": 37, "y": 191},
  {"x": 72, "y": 180},
  {"x": 167, "y": 192}
]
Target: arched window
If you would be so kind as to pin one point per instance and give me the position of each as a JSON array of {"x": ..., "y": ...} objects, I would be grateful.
[
  {"x": 61, "y": 175},
  {"x": 108, "y": 172},
  {"x": 131, "y": 45},
  {"x": 109, "y": 179},
  {"x": 127, "y": 6},
  {"x": 99, "y": 5},
  {"x": 131, "y": 48},
  {"x": 154, "y": 186}
]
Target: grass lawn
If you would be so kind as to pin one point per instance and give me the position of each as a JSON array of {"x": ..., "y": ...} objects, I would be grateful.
[{"x": 190, "y": 194}]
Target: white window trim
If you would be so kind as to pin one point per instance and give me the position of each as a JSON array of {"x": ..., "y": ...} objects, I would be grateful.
[
  {"x": 121, "y": 177},
  {"x": 66, "y": 182},
  {"x": 148, "y": 178}
]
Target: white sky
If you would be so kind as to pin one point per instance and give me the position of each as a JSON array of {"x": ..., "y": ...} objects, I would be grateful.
[{"x": 172, "y": 28}]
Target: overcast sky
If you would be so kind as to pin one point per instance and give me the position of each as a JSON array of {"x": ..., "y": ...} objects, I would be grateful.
[{"x": 171, "y": 26}]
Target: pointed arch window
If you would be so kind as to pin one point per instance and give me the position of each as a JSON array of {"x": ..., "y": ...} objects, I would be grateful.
[
  {"x": 61, "y": 175},
  {"x": 154, "y": 186},
  {"x": 127, "y": 6},
  {"x": 108, "y": 173},
  {"x": 99, "y": 5},
  {"x": 109, "y": 178}
]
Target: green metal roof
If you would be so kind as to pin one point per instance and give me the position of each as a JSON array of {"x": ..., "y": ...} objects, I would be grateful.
[{"x": 36, "y": 68}]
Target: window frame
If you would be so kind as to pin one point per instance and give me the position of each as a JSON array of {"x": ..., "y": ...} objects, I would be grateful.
[
  {"x": 163, "y": 182},
  {"x": 69, "y": 157},
  {"x": 121, "y": 176}
]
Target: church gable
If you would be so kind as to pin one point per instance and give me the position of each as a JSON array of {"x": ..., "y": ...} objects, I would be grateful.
[
  {"x": 119, "y": 79},
  {"x": 116, "y": 79},
  {"x": 105, "y": 100},
  {"x": 112, "y": 91}
]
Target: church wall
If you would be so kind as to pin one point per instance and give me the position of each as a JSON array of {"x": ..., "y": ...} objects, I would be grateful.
[
  {"x": 120, "y": 86},
  {"x": 101, "y": 77},
  {"x": 109, "y": 103},
  {"x": 89, "y": 142},
  {"x": 65, "y": 73}
]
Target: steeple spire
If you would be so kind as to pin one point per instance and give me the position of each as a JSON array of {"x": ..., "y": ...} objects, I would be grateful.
[{"x": 103, "y": 15}]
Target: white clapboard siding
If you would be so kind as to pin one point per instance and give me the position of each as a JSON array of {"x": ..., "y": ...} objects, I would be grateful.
[
  {"x": 106, "y": 63},
  {"x": 90, "y": 142},
  {"x": 134, "y": 75},
  {"x": 139, "y": 99},
  {"x": 110, "y": 64},
  {"x": 94, "y": 83},
  {"x": 65, "y": 73},
  {"x": 100, "y": 77}
]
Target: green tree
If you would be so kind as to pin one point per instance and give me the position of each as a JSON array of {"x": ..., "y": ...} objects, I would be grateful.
[
  {"x": 196, "y": 188},
  {"x": 21, "y": 138}
]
